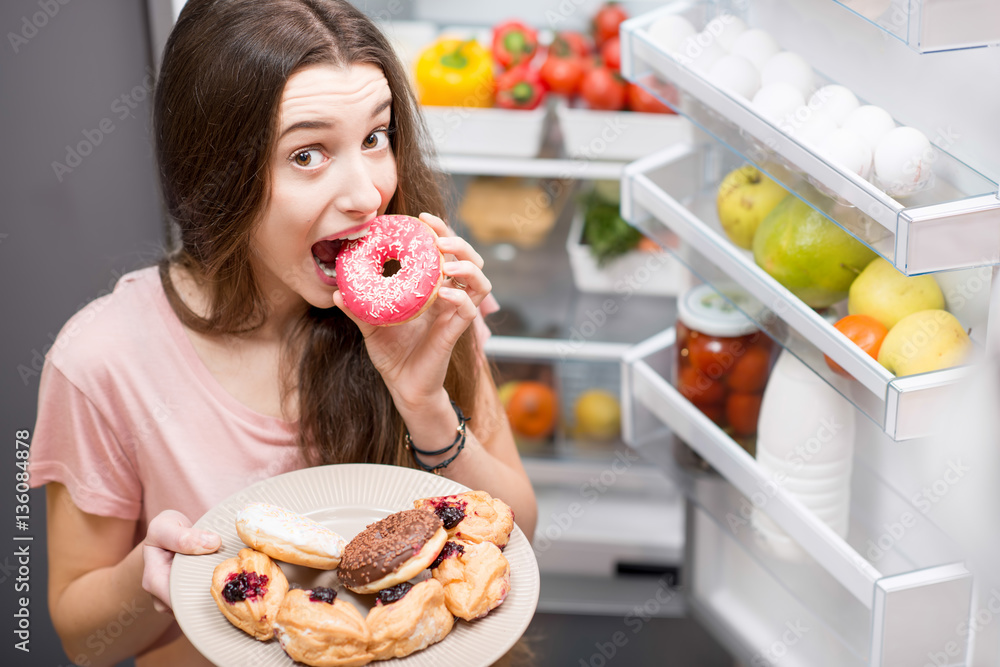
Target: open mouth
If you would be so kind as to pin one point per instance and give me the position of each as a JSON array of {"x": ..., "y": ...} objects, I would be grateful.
[{"x": 325, "y": 252}]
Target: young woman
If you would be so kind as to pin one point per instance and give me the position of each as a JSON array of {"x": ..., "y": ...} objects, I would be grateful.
[{"x": 278, "y": 125}]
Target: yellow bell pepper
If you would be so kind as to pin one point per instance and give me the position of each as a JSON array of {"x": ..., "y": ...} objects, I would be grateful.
[{"x": 453, "y": 72}]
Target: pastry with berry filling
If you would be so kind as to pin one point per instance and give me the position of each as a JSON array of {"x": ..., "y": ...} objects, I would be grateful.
[
  {"x": 473, "y": 516},
  {"x": 249, "y": 589},
  {"x": 317, "y": 628},
  {"x": 391, "y": 551},
  {"x": 407, "y": 618},
  {"x": 475, "y": 577}
]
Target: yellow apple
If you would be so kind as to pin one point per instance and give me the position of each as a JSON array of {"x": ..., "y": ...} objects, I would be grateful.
[
  {"x": 882, "y": 292},
  {"x": 745, "y": 198},
  {"x": 928, "y": 340}
]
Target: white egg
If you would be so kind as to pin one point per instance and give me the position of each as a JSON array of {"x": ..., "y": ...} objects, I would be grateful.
[
  {"x": 735, "y": 74},
  {"x": 790, "y": 68},
  {"x": 670, "y": 32},
  {"x": 700, "y": 52},
  {"x": 726, "y": 28},
  {"x": 812, "y": 127},
  {"x": 903, "y": 161},
  {"x": 756, "y": 46},
  {"x": 837, "y": 102},
  {"x": 869, "y": 122},
  {"x": 848, "y": 151},
  {"x": 777, "y": 101}
]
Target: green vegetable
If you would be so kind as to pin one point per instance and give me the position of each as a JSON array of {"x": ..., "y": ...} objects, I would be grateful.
[{"x": 604, "y": 230}]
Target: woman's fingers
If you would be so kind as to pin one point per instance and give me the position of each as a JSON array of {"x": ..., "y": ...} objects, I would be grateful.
[
  {"x": 460, "y": 248},
  {"x": 338, "y": 301},
  {"x": 467, "y": 276},
  {"x": 170, "y": 532}
]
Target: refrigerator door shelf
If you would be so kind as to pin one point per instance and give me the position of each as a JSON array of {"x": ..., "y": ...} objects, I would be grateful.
[
  {"x": 674, "y": 191},
  {"x": 952, "y": 223},
  {"x": 932, "y": 26},
  {"x": 858, "y": 593}
]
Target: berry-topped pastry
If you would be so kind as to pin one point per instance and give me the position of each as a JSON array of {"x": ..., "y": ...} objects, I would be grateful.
[
  {"x": 249, "y": 589},
  {"x": 473, "y": 516},
  {"x": 475, "y": 576},
  {"x": 408, "y": 618},
  {"x": 391, "y": 551},
  {"x": 317, "y": 628}
]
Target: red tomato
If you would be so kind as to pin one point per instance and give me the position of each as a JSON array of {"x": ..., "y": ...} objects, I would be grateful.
[
  {"x": 562, "y": 75},
  {"x": 716, "y": 413},
  {"x": 742, "y": 411},
  {"x": 567, "y": 42},
  {"x": 749, "y": 373},
  {"x": 603, "y": 89},
  {"x": 611, "y": 53},
  {"x": 712, "y": 356},
  {"x": 607, "y": 20},
  {"x": 641, "y": 101},
  {"x": 700, "y": 389},
  {"x": 865, "y": 331}
]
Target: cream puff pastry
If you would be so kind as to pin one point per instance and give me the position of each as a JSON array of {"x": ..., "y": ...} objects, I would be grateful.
[
  {"x": 473, "y": 516},
  {"x": 475, "y": 577},
  {"x": 249, "y": 589},
  {"x": 408, "y": 618},
  {"x": 316, "y": 628}
]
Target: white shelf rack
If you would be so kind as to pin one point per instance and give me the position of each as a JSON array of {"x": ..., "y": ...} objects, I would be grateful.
[
  {"x": 864, "y": 612},
  {"x": 955, "y": 224}
]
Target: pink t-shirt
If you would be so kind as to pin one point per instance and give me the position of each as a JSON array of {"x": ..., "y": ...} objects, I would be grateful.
[{"x": 132, "y": 422}]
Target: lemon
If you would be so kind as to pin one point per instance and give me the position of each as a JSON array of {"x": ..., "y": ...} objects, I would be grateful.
[
  {"x": 598, "y": 415},
  {"x": 807, "y": 253}
]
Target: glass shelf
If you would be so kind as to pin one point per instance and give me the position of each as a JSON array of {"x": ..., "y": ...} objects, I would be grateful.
[
  {"x": 953, "y": 224},
  {"x": 932, "y": 26},
  {"x": 849, "y": 588},
  {"x": 674, "y": 192}
]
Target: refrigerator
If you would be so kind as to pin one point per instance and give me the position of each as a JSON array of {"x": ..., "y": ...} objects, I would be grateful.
[{"x": 913, "y": 582}]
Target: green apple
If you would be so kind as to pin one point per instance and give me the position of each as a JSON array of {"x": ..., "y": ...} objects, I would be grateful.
[
  {"x": 745, "y": 198},
  {"x": 884, "y": 293},
  {"x": 928, "y": 340}
]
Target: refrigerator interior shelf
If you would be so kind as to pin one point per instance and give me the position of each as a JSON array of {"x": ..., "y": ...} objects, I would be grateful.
[
  {"x": 839, "y": 584},
  {"x": 953, "y": 223},
  {"x": 675, "y": 190},
  {"x": 931, "y": 26},
  {"x": 561, "y": 168}
]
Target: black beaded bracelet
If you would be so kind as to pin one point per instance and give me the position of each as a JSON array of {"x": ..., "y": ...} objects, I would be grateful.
[
  {"x": 459, "y": 440},
  {"x": 460, "y": 436}
]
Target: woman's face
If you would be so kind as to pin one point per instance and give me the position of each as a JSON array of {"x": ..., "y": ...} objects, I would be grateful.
[{"x": 332, "y": 172}]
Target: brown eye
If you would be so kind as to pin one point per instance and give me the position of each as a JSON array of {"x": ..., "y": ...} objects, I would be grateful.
[
  {"x": 303, "y": 159},
  {"x": 375, "y": 140}
]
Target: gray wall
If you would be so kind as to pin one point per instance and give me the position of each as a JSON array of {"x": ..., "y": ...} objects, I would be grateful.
[{"x": 64, "y": 238}]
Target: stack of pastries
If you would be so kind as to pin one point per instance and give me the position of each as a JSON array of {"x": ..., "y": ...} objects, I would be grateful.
[{"x": 458, "y": 537}]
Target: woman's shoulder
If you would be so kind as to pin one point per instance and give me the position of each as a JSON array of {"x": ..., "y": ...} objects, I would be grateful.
[{"x": 113, "y": 327}]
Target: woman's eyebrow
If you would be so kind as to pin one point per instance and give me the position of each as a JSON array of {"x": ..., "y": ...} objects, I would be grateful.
[
  {"x": 382, "y": 106},
  {"x": 307, "y": 125}
]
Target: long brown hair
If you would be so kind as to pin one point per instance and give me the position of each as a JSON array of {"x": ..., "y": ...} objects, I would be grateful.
[{"x": 216, "y": 103}]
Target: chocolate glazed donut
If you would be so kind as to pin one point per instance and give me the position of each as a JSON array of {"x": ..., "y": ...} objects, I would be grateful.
[{"x": 391, "y": 551}]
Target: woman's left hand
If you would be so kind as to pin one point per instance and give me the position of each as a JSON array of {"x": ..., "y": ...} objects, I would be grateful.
[{"x": 413, "y": 357}]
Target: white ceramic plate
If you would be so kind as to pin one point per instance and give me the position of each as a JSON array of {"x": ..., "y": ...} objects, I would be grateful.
[{"x": 346, "y": 498}]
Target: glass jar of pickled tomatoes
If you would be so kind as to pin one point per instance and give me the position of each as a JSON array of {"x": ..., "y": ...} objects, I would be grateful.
[{"x": 722, "y": 364}]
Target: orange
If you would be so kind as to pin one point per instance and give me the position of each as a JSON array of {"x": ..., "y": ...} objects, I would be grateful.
[
  {"x": 864, "y": 331},
  {"x": 533, "y": 409}
]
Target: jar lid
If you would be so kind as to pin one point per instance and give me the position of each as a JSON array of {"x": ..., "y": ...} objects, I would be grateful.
[{"x": 705, "y": 310}]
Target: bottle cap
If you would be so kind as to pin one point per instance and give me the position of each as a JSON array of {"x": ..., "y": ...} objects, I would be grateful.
[{"x": 705, "y": 310}]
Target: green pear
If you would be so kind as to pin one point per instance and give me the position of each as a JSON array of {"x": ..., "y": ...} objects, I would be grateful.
[
  {"x": 928, "y": 340},
  {"x": 745, "y": 198},
  {"x": 884, "y": 293}
]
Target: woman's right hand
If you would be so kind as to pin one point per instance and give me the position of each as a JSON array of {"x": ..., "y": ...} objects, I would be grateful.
[{"x": 168, "y": 533}]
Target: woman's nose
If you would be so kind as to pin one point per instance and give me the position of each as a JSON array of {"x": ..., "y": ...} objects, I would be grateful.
[{"x": 358, "y": 193}]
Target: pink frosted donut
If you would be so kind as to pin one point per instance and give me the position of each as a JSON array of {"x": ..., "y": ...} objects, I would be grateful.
[{"x": 380, "y": 299}]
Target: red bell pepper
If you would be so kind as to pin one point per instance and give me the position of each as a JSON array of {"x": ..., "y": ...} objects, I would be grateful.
[
  {"x": 514, "y": 43},
  {"x": 519, "y": 88}
]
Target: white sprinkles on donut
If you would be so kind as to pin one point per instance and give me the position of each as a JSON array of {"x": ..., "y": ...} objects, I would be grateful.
[{"x": 379, "y": 299}]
